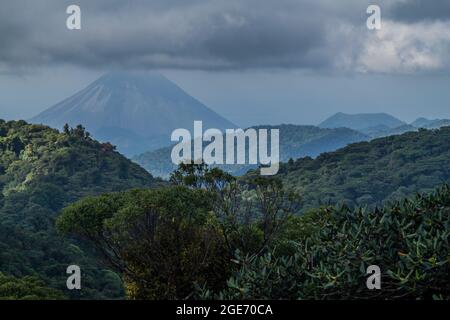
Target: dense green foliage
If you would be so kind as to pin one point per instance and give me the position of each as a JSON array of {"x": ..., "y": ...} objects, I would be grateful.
[
  {"x": 27, "y": 288},
  {"x": 41, "y": 171},
  {"x": 164, "y": 241},
  {"x": 374, "y": 172},
  {"x": 295, "y": 141},
  {"x": 210, "y": 225},
  {"x": 332, "y": 247},
  {"x": 160, "y": 240}
]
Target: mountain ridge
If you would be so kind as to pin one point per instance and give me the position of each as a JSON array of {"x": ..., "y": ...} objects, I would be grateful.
[
  {"x": 360, "y": 121},
  {"x": 295, "y": 141},
  {"x": 377, "y": 125}
]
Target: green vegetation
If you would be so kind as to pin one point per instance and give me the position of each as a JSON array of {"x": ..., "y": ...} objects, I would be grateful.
[
  {"x": 42, "y": 171},
  {"x": 212, "y": 236},
  {"x": 165, "y": 241},
  {"x": 161, "y": 240},
  {"x": 27, "y": 288},
  {"x": 207, "y": 234},
  {"x": 331, "y": 250},
  {"x": 372, "y": 173}
]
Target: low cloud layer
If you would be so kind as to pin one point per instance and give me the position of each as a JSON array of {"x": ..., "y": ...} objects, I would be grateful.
[{"x": 227, "y": 35}]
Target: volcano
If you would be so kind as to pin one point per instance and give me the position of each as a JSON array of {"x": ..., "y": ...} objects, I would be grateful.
[{"x": 137, "y": 112}]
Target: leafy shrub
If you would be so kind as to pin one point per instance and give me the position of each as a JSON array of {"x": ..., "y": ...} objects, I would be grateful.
[{"x": 409, "y": 241}]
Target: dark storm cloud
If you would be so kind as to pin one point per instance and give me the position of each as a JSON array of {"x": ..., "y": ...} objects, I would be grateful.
[
  {"x": 185, "y": 34},
  {"x": 213, "y": 34},
  {"x": 421, "y": 10}
]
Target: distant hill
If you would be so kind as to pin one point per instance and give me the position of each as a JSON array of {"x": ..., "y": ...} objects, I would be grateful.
[
  {"x": 421, "y": 122},
  {"x": 362, "y": 121},
  {"x": 370, "y": 173},
  {"x": 135, "y": 111},
  {"x": 295, "y": 141},
  {"x": 377, "y": 125},
  {"x": 41, "y": 171},
  {"x": 438, "y": 124},
  {"x": 384, "y": 131},
  {"x": 430, "y": 124}
]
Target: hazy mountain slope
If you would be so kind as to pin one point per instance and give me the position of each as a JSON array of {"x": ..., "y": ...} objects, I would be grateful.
[
  {"x": 41, "y": 171},
  {"x": 372, "y": 172},
  {"x": 421, "y": 122},
  {"x": 135, "y": 111},
  {"x": 295, "y": 141},
  {"x": 431, "y": 124},
  {"x": 361, "y": 121},
  {"x": 384, "y": 131}
]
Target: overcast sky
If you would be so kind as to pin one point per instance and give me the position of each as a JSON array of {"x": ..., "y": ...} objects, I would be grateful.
[{"x": 253, "y": 61}]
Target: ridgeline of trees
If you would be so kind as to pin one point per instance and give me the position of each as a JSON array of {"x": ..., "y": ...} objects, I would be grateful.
[{"x": 372, "y": 173}]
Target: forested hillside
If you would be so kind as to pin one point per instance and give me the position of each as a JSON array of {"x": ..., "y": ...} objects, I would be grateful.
[
  {"x": 41, "y": 171},
  {"x": 295, "y": 142},
  {"x": 368, "y": 173}
]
